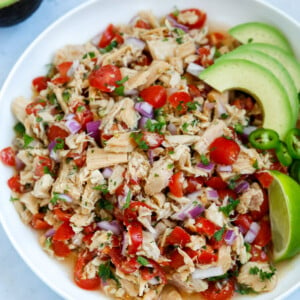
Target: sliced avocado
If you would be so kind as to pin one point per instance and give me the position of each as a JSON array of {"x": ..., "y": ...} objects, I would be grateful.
[
  {"x": 287, "y": 60},
  {"x": 273, "y": 66},
  {"x": 257, "y": 32},
  {"x": 241, "y": 74},
  {"x": 4, "y": 3}
]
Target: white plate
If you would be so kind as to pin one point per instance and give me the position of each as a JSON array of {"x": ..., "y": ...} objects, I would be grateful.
[{"x": 78, "y": 26}]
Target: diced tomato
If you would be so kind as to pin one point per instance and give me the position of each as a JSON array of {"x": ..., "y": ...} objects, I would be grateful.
[
  {"x": 60, "y": 248},
  {"x": 105, "y": 78},
  {"x": 244, "y": 103},
  {"x": 15, "y": 184},
  {"x": 142, "y": 24},
  {"x": 35, "y": 107},
  {"x": 264, "y": 178},
  {"x": 55, "y": 132},
  {"x": 216, "y": 291},
  {"x": 131, "y": 213},
  {"x": 156, "y": 95},
  {"x": 279, "y": 167},
  {"x": 194, "y": 91},
  {"x": 40, "y": 83},
  {"x": 207, "y": 257},
  {"x": 60, "y": 80},
  {"x": 191, "y": 253},
  {"x": 129, "y": 265},
  {"x": 216, "y": 38},
  {"x": 200, "y": 21},
  {"x": 7, "y": 156},
  {"x": 136, "y": 236},
  {"x": 176, "y": 259},
  {"x": 78, "y": 158},
  {"x": 263, "y": 209},
  {"x": 258, "y": 254},
  {"x": 243, "y": 222},
  {"x": 144, "y": 60},
  {"x": 82, "y": 281},
  {"x": 224, "y": 151},
  {"x": 109, "y": 34},
  {"x": 176, "y": 184},
  {"x": 179, "y": 100},
  {"x": 152, "y": 139},
  {"x": 156, "y": 271},
  {"x": 84, "y": 117},
  {"x": 264, "y": 235},
  {"x": 43, "y": 165},
  {"x": 120, "y": 191},
  {"x": 178, "y": 237},
  {"x": 204, "y": 226},
  {"x": 64, "y": 232},
  {"x": 193, "y": 184},
  {"x": 88, "y": 238},
  {"x": 38, "y": 222},
  {"x": 62, "y": 215},
  {"x": 216, "y": 183},
  {"x": 227, "y": 193},
  {"x": 90, "y": 228},
  {"x": 203, "y": 51},
  {"x": 64, "y": 67}
]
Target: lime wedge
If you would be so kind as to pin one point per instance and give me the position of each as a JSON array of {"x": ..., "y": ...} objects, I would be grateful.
[{"x": 284, "y": 199}]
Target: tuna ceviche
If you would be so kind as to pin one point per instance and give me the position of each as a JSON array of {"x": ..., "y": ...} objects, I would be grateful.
[{"x": 150, "y": 181}]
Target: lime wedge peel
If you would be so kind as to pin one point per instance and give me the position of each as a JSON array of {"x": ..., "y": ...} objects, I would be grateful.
[{"x": 284, "y": 199}]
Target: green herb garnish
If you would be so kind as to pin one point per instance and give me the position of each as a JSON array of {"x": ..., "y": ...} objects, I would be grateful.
[
  {"x": 232, "y": 204},
  {"x": 123, "y": 80},
  {"x": 19, "y": 128},
  {"x": 143, "y": 261},
  {"x": 262, "y": 274},
  {"x": 110, "y": 47},
  {"x": 102, "y": 188},
  {"x": 127, "y": 200},
  {"x": 219, "y": 234},
  {"x": 138, "y": 138},
  {"x": 105, "y": 272},
  {"x": 27, "y": 140}
]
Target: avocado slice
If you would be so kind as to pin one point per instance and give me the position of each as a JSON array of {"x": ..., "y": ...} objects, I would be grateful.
[
  {"x": 241, "y": 74},
  {"x": 257, "y": 32},
  {"x": 272, "y": 65},
  {"x": 15, "y": 11},
  {"x": 287, "y": 60}
]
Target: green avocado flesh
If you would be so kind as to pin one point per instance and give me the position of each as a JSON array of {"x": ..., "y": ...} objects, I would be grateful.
[
  {"x": 274, "y": 67},
  {"x": 287, "y": 60},
  {"x": 256, "y": 32},
  {"x": 241, "y": 74},
  {"x": 5, "y": 3}
]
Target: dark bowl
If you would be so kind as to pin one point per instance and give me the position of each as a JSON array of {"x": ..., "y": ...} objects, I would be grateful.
[{"x": 18, "y": 11}]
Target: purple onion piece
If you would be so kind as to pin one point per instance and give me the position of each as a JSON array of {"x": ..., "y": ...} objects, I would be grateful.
[
  {"x": 224, "y": 168},
  {"x": 65, "y": 197},
  {"x": 135, "y": 42},
  {"x": 229, "y": 237},
  {"x": 247, "y": 130},
  {"x": 150, "y": 156},
  {"x": 142, "y": 122},
  {"x": 107, "y": 172},
  {"x": 50, "y": 232},
  {"x": 19, "y": 164},
  {"x": 242, "y": 187},
  {"x": 124, "y": 243},
  {"x": 73, "y": 126},
  {"x": 175, "y": 24},
  {"x": 145, "y": 109},
  {"x": 212, "y": 194},
  {"x": 196, "y": 211},
  {"x": 252, "y": 232},
  {"x": 206, "y": 168},
  {"x": 92, "y": 129},
  {"x": 194, "y": 196},
  {"x": 172, "y": 128},
  {"x": 113, "y": 226}
]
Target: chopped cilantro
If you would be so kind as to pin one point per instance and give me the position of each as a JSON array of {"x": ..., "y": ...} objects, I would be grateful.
[
  {"x": 123, "y": 80},
  {"x": 165, "y": 39},
  {"x": 191, "y": 106},
  {"x": 60, "y": 144},
  {"x": 224, "y": 116},
  {"x": 52, "y": 98},
  {"x": 154, "y": 126},
  {"x": 127, "y": 200},
  {"x": 109, "y": 48},
  {"x": 105, "y": 204},
  {"x": 179, "y": 40},
  {"x": 204, "y": 159},
  {"x": 47, "y": 170},
  {"x": 179, "y": 31},
  {"x": 171, "y": 152},
  {"x": 218, "y": 53},
  {"x": 143, "y": 261},
  {"x": 48, "y": 242},
  {"x": 219, "y": 234},
  {"x": 39, "y": 119},
  {"x": 59, "y": 117},
  {"x": 12, "y": 199},
  {"x": 80, "y": 108},
  {"x": 185, "y": 127},
  {"x": 66, "y": 95},
  {"x": 176, "y": 11},
  {"x": 238, "y": 128},
  {"x": 255, "y": 165},
  {"x": 27, "y": 140},
  {"x": 19, "y": 129},
  {"x": 106, "y": 273},
  {"x": 102, "y": 188},
  {"x": 156, "y": 175},
  {"x": 56, "y": 197},
  {"x": 89, "y": 54},
  {"x": 226, "y": 210},
  {"x": 262, "y": 274},
  {"x": 248, "y": 247},
  {"x": 244, "y": 289},
  {"x": 170, "y": 166},
  {"x": 138, "y": 138},
  {"x": 119, "y": 90}
]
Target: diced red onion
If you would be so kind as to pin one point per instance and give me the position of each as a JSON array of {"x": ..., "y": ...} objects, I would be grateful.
[
  {"x": 19, "y": 164},
  {"x": 145, "y": 109},
  {"x": 247, "y": 130},
  {"x": 175, "y": 24},
  {"x": 206, "y": 168},
  {"x": 142, "y": 122},
  {"x": 69, "y": 117},
  {"x": 196, "y": 211},
  {"x": 172, "y": 128},
  {"x": 50, "y": 232},
  {"x": 132, "y": 92},
  {"x": 252, "y": 232},
  {"x": 92, "y": 129},
  {"x": 195, "y": 195},
  {"x": 150, "y": 156},
  {"x": 194, "y": 69},
  {"x": 107, "y": 172},
  {"x": 224, "y": 168},
  {"x": 124, "y": 243},
  {"x": 212, "y": 194},
  {"x": 229, "y": 237},
  {"x": 73, "y": 126},
  {"x": 188, "y": 211},
  {"x": 207, "y": 273},
  {"x": 136, "y": 43},
  {"x": 65, "y": 197},
  {"x": 53, "y": 154},
  {"x": 242, "y": 187},
  {"x": 112, "y": 226},
  {"x": 209, "y": 105}
]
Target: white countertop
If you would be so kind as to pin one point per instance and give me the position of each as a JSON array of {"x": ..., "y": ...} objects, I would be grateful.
[{"x": 17, "y": 281}]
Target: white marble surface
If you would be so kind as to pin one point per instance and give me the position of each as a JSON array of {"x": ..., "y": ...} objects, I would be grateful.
[{"x": 17, "y": 281}]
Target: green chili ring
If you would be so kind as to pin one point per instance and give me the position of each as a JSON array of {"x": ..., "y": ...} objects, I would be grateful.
[
  {"x": 283, "y": 155},
  {"x": 264, "y": 139},
  {"x": 295, "y": 170},
  {"x": 293, "y": 142}
]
